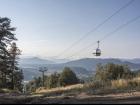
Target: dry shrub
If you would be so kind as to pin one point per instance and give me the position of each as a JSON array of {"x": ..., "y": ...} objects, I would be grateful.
[
  {"x": 119, "y": 84},
  {"x": 122, "y": 83},
  {"x": 97, "y": 85},
  {"x": 134, "y": 82},
  {"x": 92, "y": 86}
]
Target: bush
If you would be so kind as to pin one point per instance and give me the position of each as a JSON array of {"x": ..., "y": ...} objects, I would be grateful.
[
  {"x": 134, "y": 83},
  {"x": 125, "y": 84},
  {"x": 112, "y": 72},
  {"x": 68, "y": 77},
  {"x": 119, "y": 84},
  {"x": 95, "y": 86}
]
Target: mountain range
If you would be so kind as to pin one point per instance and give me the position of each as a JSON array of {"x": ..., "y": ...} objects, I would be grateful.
[
  {"x": 35, "y": 60},
  {"x": 135, "y": 60},
  {"x": 82, "y": 67}
]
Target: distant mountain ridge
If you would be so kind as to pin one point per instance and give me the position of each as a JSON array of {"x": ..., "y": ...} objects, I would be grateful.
[
  {"x": 90, "y": 63},
  {"x": 35, "y": 60},
  {"x": 82, "y": 67},
  {"x": 58, "y": 60},
  {"x": 135, "y": 60}
]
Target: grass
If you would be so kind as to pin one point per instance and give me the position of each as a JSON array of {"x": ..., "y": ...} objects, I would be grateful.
[
  {"x": 114, "y": 86},
  {"x": 5, "y": 90},
  {"x": 123, "y": 84},
  {"x": 119, "y": 84},
  {"x": 94, "y": 88},
  {"x": 43, "y": 90},
  {"x": 73, "y": 89}
]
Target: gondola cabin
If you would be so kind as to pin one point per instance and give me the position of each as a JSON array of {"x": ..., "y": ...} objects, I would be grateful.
[{"x": 98, "y": 51}]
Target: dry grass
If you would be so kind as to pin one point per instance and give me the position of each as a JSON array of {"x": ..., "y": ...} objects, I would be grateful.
[
  {"x": 122, "y": 83},
  {"x": 5, "y": 90},
  {"x": 114, "y": 86},
  {"x": 119, "y": 84},
  {"x": 60, "y": 89}
]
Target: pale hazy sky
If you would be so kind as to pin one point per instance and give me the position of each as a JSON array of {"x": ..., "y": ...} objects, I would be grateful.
[{"x": 46, "y": 27}]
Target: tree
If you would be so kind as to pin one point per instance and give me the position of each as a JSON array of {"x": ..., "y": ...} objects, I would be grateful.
[
  {"x": 68, "y": 77},
  {"x": 9, "y": 71},
  {"x": 38, "y": 82},
  {"x": 100, "y": 73},
  {"x": 53, "y": 80},
  {"x": 18, "y": 77},
  {"x": 6, "y": 37},
  {"x": 112, "y": 72},
  {"x": 14, "y": 69},
  {"x": 31, "y": 86}
]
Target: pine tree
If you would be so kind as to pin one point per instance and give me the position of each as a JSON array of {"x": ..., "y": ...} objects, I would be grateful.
[
  {"x": 10, "y": 74},
  {"x": 6, "y": 37},
  {"x": 14, "y": 69}
]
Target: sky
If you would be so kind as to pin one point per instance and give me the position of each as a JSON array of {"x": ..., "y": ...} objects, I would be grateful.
[{"x": 45, "y": 28}]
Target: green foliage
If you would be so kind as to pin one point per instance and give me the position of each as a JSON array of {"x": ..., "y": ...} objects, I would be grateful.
[
  {"x": 137, "y": 73},
  {"x": 10, "y": 75},
  {"x": 31, "y": 86},
  {"x": 68, "y": 77},
  {"x": 112, "y": 77},
  {"x": 53, "y": 81},
  {"x": 112, "y": 72},
  {"x": 38, "y": 82}
]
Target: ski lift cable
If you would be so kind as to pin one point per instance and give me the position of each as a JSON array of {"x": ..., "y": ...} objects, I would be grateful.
[
  {"x": 119, "y": 28},
  {"x": 97, "y": 27},
  {"x": 106, "y": 36}
]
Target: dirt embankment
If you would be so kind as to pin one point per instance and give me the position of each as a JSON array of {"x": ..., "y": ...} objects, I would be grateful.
[{"x": 82, "y": 98}]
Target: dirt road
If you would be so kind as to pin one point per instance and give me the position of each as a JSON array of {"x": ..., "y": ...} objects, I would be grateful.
[{"x": 79, "y": 99}]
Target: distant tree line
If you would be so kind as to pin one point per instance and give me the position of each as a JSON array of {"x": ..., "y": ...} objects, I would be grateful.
[
  {"x": 11, "y": 75},
  {"x": 67, "y": 77}
]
